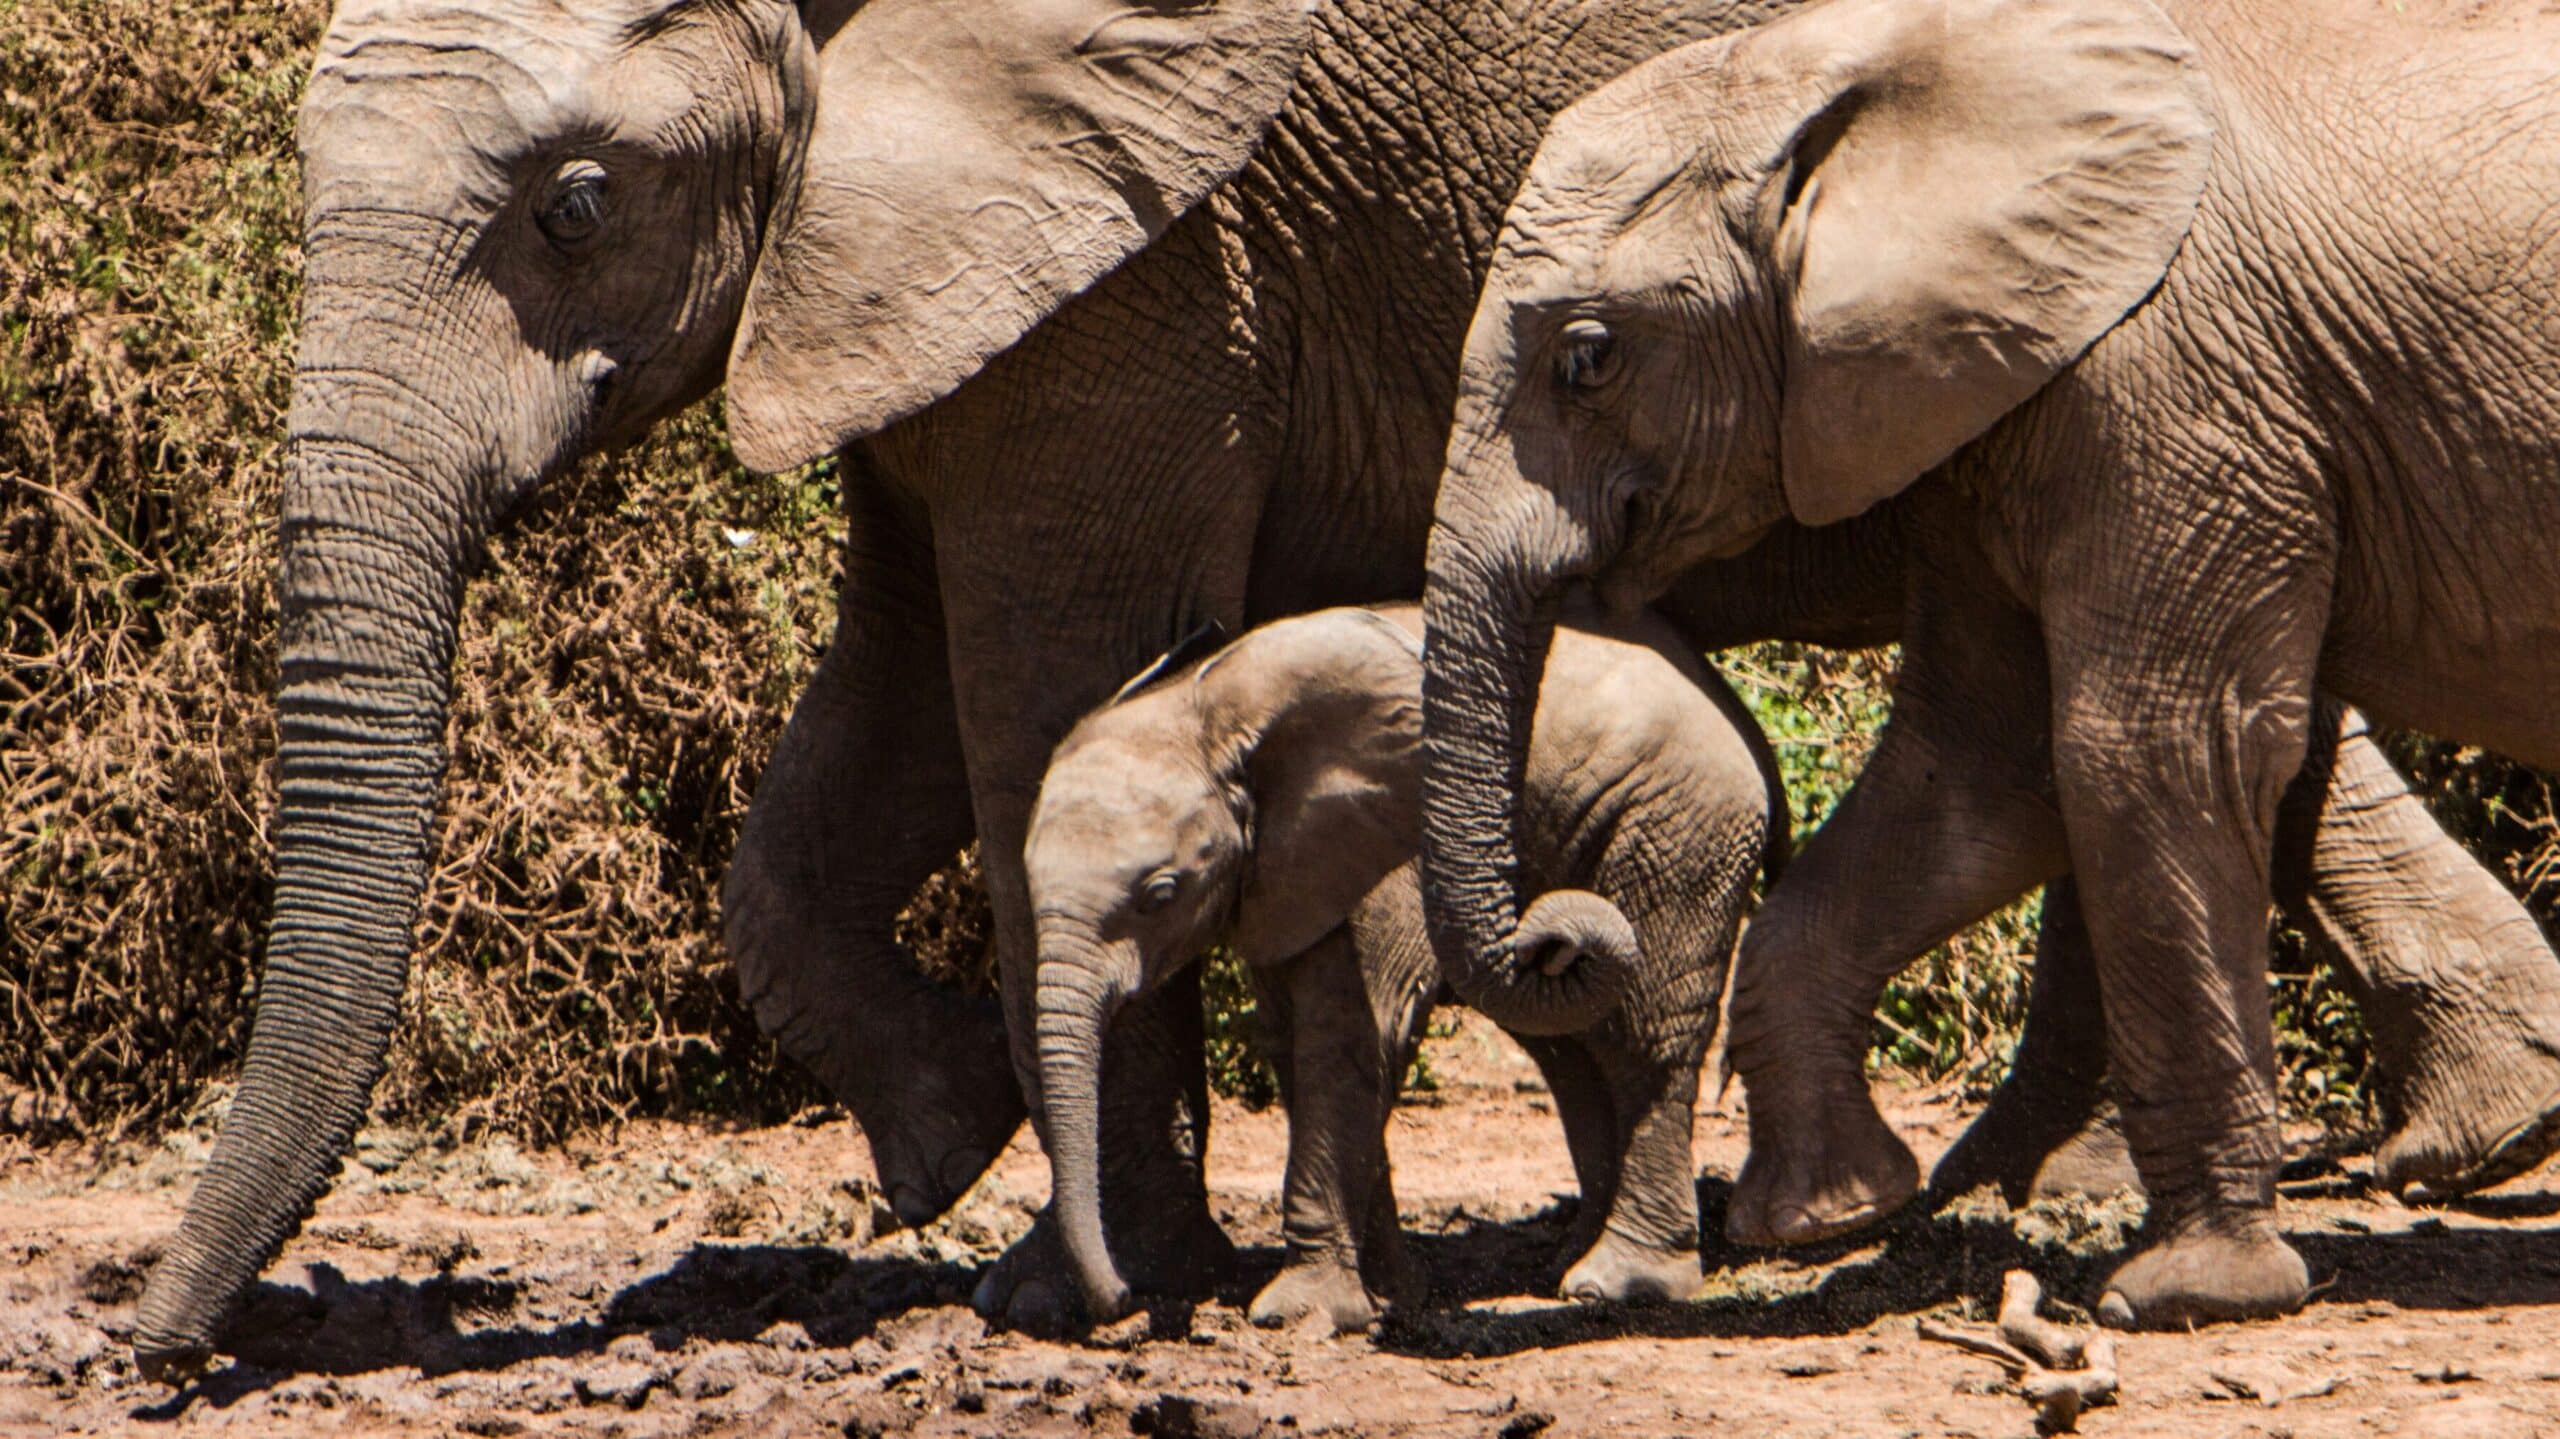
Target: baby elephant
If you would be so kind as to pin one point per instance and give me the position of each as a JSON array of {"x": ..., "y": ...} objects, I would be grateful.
[{"x": 1268, "y": 798}]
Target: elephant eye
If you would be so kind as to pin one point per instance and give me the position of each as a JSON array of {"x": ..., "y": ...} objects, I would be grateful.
[
  {"x": 574, "y": 209},
  {"x": 1584, "y": 352},
  {"x": 1158, "y": 892}
]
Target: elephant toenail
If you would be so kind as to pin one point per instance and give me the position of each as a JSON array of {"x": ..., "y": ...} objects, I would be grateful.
[{"x": 2115, "y": 1312}]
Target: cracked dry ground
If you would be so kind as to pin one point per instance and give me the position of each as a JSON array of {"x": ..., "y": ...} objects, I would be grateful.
[{"x": 675, "y": 1280}]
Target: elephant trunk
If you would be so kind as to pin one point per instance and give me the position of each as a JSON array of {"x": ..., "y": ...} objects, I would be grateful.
[
  {"x": 1079, "y": 992},
  {"x": 374, "y": 527},
  {"x": 1500, "y": 554}
]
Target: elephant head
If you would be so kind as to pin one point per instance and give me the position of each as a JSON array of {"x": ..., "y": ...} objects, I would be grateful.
[
  {"x": 1780, "y": 274},
  {"x": 531, "y": 228}
]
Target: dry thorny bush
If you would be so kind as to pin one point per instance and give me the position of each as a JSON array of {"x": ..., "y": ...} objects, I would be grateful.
[{"x": 626, "y": 659}]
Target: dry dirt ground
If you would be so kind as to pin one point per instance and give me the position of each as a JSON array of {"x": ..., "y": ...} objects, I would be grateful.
[{"x": 674, "y": 1280}]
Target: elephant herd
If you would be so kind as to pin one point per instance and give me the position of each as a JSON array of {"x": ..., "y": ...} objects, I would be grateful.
[{"x": 2164, "y": 375}]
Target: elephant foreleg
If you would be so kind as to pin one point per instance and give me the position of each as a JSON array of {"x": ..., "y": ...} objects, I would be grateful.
[
  {"x": 2174, "y": 741},
  {"x": 864, "y": 798},
  {"x": 1338, "y": 1088}
]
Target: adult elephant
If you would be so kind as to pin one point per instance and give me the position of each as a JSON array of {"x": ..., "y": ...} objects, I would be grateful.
[
  {"x": 532, "y": 228},
  {"x": 2226, "y": 373},
  {"x": 2458, "y": 987}
]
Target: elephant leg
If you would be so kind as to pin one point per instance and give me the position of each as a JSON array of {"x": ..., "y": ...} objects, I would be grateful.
[
  {"x": 2457, "y": 983},
  {"x": 2174, "y": 743},
  {"x": 1337, "y": 1091},
  {"x": 1402, "y": 976},
  {"x": 1586, "y": 1112},
  {"x": 1647, "y": 1249},
  {"x": 2048, "y": 1128},
  {"x": 866, "y": 796},
  {"x": 1951, "y": 819},
  {"x": 1021, "y": 685}
]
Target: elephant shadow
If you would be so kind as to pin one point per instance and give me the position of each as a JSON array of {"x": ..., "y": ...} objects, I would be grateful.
[
  {"x": 2430, "y": 1266},
  {"x": 1909, "y": 1266},
  {"x": 1917, "y": 1263},
  {"x": 447, "y": 1324}
]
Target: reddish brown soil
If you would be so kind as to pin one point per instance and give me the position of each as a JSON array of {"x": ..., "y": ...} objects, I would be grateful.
[{"x": 670, "y": 1280}]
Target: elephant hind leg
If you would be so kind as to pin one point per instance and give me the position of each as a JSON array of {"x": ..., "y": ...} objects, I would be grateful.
[
  {"x": 864, "y": 798},
  {"x": 1646, "y": 1248},
  {"x": 2458, "y": 985},
  {"x": 2048, "y": 1128}
]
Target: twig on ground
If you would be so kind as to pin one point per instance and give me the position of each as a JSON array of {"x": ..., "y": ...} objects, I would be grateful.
[{"x": 2059, "y": 1370}]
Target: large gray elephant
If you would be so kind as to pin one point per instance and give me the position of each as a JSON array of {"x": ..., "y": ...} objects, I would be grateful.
[
  {"x": 2230, "y": 375},
  {"x": 533, "y": 227},
  {"x": 1269, "y": 797},
  {"x": 2458, "y": 985}
]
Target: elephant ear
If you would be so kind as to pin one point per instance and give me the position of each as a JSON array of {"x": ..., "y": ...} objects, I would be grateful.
[
  {"x": 974, "y": 164},
  {"x": 1321, "y": 716},
  {"x": 1959, "y": 198}
]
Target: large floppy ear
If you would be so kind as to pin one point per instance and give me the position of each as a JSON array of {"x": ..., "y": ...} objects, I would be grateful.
[
  {"x": 973, "y": 165},
  {"x": 1958, "y": 198},
  {"x": 1321, "y": 718}
]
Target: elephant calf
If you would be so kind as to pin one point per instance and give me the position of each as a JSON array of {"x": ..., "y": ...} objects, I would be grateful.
[{"x": 1269, "y": 797}]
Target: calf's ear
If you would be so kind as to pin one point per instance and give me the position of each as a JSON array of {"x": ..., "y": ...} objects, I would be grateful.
[
  {"x": 1956, "y": 198},
  {"x": 1320, "y": 718},
  {"x": 974, "y": 164}
]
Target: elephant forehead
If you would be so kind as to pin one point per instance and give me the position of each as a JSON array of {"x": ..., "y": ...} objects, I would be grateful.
[
  {"x": 1105, "y": 799},
  {"x": 428, "y": 104}
]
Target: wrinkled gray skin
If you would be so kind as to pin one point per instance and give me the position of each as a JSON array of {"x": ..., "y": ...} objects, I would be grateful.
[
  {"x": 1269, "y": 798},
  {"x": 2459, "y": 988},
  {"x": 1240, "y": 422},
  {"x": 2230, "y": 374}
]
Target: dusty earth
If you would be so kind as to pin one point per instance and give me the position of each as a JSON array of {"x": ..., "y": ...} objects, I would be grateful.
[{"x": 675, "y": 1280}]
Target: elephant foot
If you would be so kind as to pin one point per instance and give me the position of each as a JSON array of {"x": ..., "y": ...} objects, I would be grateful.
[
  {"x": 2025, "y": 1130},
  {"x": 2094, "y": 1163},
  {"x": 1317, "y": 1286},
  {"x": 1818, "y": 1170},
  {"x": 2224, "y": 1266},
  {"x": 1032, "y": 1287},
  {"x": 2473, "y": 1119},
  {"x": 2441, "y": 1156},
  {"x": 1618, "y": 1270},
  {"x": 939, "y": 1129}
]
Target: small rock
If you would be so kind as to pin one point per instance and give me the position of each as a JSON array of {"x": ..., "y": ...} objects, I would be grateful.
[
  {"x": 1526, "y": 1424},
  {"x": 969, "y": 1397},
  {"x": 1183, "y": 1416},
  {"x": 635, "y": 1348},
  {"x": 786, "y": 1335},
  {"x": 2269, "y": 1381},
  {"x": 1126, "y": 1332},
  {"x": 617, "y": 1382},
  {"x": 1808, "y": 1368},
  {"x": 876, "y": 1415},
  {"x": 709, "y": 1377}
]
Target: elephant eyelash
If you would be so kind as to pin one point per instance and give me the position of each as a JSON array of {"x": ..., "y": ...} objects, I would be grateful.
[
  {"x": 1157, "y": 891},
  {"x": 1586, "y": 352},
  {"x": 574, "y": 206}
]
